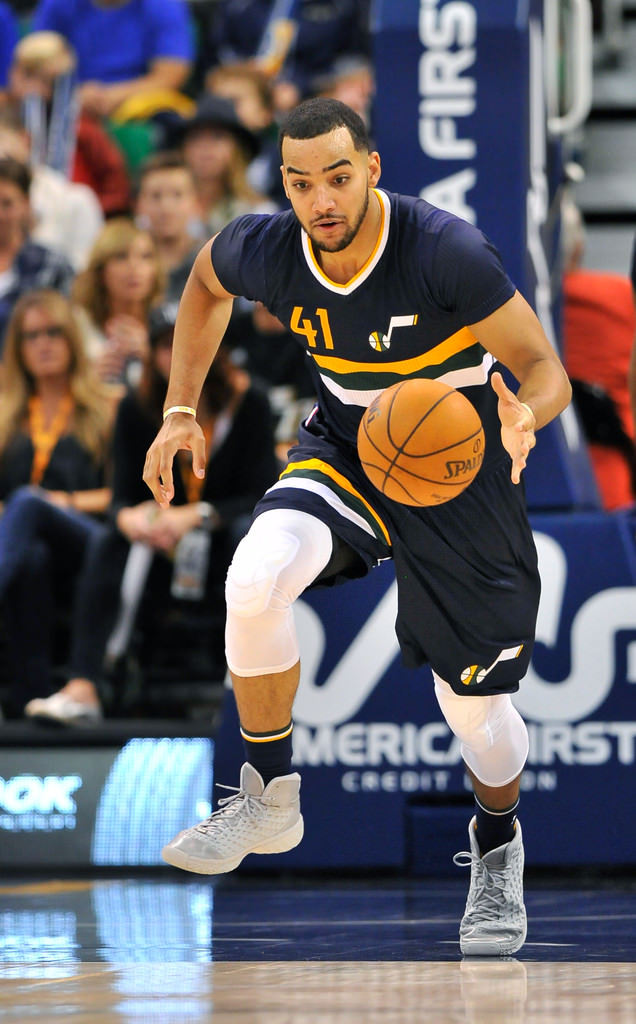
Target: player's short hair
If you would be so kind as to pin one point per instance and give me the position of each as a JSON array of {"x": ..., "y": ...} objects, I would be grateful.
[{"x": 320, "y": 115}]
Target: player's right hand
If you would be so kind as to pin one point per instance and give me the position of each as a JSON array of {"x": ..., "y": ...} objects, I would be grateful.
[
  {"x": 517, "y": 426},
  {"x": 179, "y": 432}
]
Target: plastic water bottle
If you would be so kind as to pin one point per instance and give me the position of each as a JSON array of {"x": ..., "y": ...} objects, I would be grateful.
[{"x": 191, "y": 560}]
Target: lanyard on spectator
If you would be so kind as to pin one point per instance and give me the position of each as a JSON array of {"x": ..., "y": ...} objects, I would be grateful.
[
  {"x": 215, "y": 430},
  {"x": 193, "y": 485},
  {"x": 44, "y": 438}
]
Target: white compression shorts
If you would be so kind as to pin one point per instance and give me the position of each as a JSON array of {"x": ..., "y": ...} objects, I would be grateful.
[
  {"x": 283, "y": 552},
  {"x": 494, "y": 738}
]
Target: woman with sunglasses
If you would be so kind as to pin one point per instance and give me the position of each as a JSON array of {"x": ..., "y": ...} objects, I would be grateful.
[
  {"x": 55, "y": 427},
  {"x": 212, "y": 514}
]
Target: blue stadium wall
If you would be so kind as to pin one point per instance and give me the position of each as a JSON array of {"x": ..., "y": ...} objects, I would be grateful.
[{"x": 459, "y": 119}]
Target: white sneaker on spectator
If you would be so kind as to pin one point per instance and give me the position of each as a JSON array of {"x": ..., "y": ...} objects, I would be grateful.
[{"x": 65, "y": 710}]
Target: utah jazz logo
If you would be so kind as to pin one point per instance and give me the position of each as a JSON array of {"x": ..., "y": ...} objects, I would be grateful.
[
  {"x": 473, "y": 674},
  {"x": 380, "y": 341},
  {"x": 477, "y": 673}
]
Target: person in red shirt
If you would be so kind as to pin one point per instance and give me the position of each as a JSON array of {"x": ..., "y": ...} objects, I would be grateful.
[
  {"x": 43, "y": 65},
  {"x": 599, "y": 326}
]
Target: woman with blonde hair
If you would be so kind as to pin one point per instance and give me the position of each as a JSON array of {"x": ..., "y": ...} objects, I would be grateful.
[
  {"x": 123, "y": 279},
  {"x": 39, "y": 382},
  {"x": 55, "y": 428},
  {"x": 235, "y": 417}
]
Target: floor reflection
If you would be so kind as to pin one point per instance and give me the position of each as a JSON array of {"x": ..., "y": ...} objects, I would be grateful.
[
  {"x": 186, "y": 919},
  {"x": 464, "y": 992}
]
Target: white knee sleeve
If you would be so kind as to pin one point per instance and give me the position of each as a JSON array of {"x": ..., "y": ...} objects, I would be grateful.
[
  {"x": 280, "y": 556},
  {"x": 494, "y": 738}
]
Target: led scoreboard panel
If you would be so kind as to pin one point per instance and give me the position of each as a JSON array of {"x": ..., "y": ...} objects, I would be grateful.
[{"x": 101, "y": 805}]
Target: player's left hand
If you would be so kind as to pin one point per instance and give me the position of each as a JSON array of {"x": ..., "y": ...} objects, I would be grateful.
[{"x": 517, "y": 426}]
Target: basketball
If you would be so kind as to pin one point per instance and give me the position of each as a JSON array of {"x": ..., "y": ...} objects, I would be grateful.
[{"x": 421, "y": 442}]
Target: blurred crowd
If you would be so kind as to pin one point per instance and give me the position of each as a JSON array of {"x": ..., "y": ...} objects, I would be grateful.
[{"x": 130, "y": 132}]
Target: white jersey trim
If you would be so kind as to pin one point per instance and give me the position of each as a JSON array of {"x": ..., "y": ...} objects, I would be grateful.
[
  {"x": 469, "y": 376},
  {"x": 369, "y": 267},
  {"x": 305, "y": 484}
]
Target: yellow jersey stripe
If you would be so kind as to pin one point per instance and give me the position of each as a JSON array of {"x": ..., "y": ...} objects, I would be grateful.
[
  {"x": 338, "y": 478},
  {"x": 457, "y": 342}
]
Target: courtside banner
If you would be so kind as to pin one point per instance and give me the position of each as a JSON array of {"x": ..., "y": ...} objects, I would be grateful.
[
  {"x": 382, "y": 776},
  {"x": 102, "y": 806},
  {"x": 460, "y": 119}
]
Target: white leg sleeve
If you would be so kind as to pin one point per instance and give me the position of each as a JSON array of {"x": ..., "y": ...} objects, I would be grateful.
[
  {"x": 494, "y": 738},
  {"x": 280, "y": 556}
]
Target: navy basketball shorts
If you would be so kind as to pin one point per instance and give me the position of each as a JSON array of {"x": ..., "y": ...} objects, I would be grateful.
[{"x": 466, "y": 571}]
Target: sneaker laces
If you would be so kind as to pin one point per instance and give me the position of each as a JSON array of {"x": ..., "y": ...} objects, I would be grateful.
[
  {"x": 230, "y": 807},
  {"x": 487, "y": 889}
]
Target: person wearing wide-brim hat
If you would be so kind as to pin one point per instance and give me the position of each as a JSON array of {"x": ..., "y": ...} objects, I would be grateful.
[
  {"x": 218, "y": 148},
  {"x": 215, "y": 112}
]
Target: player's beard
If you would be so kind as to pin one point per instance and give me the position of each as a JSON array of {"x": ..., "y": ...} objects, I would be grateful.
[{"x": 349, "y": 235}]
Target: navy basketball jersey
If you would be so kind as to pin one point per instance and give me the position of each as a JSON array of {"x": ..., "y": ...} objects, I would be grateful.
[{"x": 404, "y": 314}]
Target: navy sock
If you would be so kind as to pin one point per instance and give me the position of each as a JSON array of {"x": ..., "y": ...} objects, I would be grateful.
[
  {"x": 269, "y": 752},
  {"x": 494, "y": 828}
]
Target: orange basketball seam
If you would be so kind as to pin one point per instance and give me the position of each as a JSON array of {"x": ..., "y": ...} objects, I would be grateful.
[
  {"x": 440, "y": 451},
  {"x": 400, "y": 474},
  {"x": 430, "y": 409},
  {"x": 399, "y": 449}
]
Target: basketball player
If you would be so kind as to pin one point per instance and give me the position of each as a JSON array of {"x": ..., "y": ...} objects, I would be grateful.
[{"x": 378, "y": 288}]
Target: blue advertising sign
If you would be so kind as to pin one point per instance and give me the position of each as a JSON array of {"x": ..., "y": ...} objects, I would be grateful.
[
  {"x": 375, "y": 753},
  {"x": 460, "y": 120}
]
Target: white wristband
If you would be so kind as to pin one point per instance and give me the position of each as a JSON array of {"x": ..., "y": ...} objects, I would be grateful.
[
  {"x": 534, "y": 418},
  {"x": 179, "y": 408}
]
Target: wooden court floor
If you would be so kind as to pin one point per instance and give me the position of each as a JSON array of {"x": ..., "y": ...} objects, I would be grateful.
[{"x": 244, "y": 949}]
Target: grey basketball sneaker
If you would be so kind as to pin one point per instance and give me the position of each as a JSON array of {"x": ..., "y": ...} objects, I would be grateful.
[
  {"x": 257, "y": 819},
  {"x": 494, "y": 922}
]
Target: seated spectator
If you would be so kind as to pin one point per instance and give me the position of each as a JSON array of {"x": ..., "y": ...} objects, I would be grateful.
[
  {"x": 292, "y": 50},
  {"x": 122, "y": 280},
  {"x": 218, "y": 148},
  {"x": 351, "y": 80},
  {"x": 9, "y": 35},
  {"x": 66, "y": 216},
  {"x": 632, "y": 360},
  {"x": 235, "y": 417},
  {"x": 124, "y": 48},
  {"x": 55, "y": 423},
  {"x": 167, "y": 207},
  {"x": 75, "y": 143},
  {"x": 599, "y": 326},
  {"x": 260, "y": 344},
  {"x": 24, "y": 263},
  {"x": 250, "y": 90}
]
